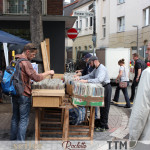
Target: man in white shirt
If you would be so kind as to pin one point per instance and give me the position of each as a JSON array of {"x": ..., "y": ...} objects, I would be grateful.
[{"x": 139, "y": 125}]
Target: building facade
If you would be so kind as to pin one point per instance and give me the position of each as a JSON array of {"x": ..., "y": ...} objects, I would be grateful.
[
  {"x": 15, "y": 19},
  {"x": 122, "y": 19},
  {"x": 49, "y": 7},
  {"x": 84, "y": 25},
  {"x": 117, "y": 24}
]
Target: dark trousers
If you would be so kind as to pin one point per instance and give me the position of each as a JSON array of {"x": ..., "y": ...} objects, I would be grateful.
[
  {"x": 134, "y": 85},
  {"x": 125, "y": 93},
  {"x": 104, "y": 111}
]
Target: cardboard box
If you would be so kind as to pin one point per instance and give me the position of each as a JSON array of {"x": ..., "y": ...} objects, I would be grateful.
[{"x": 88, "y": 101}]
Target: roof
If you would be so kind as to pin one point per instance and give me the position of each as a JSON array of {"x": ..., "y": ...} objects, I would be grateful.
[
  {"x": 69, "y": 20},
  {"x": 68, "y": 8},
  {"x": 82, "y": 2}
]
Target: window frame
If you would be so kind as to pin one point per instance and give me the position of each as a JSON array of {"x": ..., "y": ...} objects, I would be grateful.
[
  {"x": 91, "y": 21},
  {"x": 146, "y": 18},
  {"x": 121, "y": 24},
  {"x": 120, "y": 1}
]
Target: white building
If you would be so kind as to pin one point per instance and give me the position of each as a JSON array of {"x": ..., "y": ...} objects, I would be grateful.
[
  {"x": 84, "y": 24},
  {"x": 115, "y": 21}
]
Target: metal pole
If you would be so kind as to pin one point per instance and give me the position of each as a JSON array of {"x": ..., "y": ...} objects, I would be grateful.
[
  {"x": 94, "y": 27},
  {"x": 137, "y": 41}
]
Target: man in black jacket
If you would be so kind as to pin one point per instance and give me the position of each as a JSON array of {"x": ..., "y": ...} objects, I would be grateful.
[{"x": 138, "y": 68}]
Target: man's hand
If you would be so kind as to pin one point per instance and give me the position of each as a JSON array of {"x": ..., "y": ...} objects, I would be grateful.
[
  {"x": 51, "y": 72},
  {"x": 137, "y": 79},
  {"x": 116, "y": 80},
  {"x": 84, "y": 81},
  {"x": 47, "y": 73},
  {"x": 77, "y": 78}
]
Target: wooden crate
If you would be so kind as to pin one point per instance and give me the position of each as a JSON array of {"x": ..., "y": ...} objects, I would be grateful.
[
  {"x": 69, "y": 89},
  {"x": 47, "y": 97}
]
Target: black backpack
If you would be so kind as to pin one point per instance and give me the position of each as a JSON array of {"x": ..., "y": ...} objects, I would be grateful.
[{"x": 12, "y": 82}]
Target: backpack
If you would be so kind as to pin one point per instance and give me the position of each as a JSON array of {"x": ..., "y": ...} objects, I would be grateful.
[{"x": 12, "y": 82}]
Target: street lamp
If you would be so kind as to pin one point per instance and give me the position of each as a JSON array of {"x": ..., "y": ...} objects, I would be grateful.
[
  {"x": 137, "y": 38},
  {"x": 94, "y": 27}
]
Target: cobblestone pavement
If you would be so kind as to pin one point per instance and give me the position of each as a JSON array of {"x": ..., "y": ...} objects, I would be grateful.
[{"x": 118, "y": 124}]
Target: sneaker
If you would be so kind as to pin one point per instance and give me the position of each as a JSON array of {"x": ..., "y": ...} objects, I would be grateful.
[
  {"x": 114, "y": 101},
  {"x": 99, "y": 129}
]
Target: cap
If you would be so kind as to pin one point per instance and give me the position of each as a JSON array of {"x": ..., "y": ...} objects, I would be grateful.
[
  {"x": 30, "y": 46},
  {"x": 92, "y": 58},
  {"x": 88, "y": 55}
]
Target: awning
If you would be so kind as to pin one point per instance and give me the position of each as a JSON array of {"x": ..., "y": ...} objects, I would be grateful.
[{"x": 9, "y": 38}]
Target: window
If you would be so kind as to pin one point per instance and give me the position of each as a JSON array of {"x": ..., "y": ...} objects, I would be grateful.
[
  {"x": 104, "y": 20},
  {"x": 121, "y": 1},
  {"x": 16, "y": 7},
  {"x": 104, "y": 27},
  {"x": 86, "y": 22},
  {"x": 76, "y": 24},
  {"x": 121, "y": 24},
  {"x": 20, "y": 7},
  {"x": 104, "y": 32},
  {"x": 79, "y": 48},
  {"x": 91, "y": 21},
  {"x": 81, "y": 24},
  {"x": 147, "y": 16}
]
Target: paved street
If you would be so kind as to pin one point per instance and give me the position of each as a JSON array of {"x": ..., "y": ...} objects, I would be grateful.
[{"x": 118, "y": 123}]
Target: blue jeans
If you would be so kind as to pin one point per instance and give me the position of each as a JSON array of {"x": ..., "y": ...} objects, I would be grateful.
[
  {"x": 20, "y": 118},
  {"x": 125, "y": 93},
  {"x": 96, "y": 112}
]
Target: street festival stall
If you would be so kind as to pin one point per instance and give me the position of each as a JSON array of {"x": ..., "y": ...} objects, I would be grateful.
[{"x": 52, "y": 105}]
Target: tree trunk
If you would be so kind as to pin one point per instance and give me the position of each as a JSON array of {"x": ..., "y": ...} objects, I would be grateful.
[{"x": 36, "y": 26}]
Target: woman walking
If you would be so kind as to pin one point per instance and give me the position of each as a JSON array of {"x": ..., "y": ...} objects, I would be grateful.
[{"x": 123, "y": 76}]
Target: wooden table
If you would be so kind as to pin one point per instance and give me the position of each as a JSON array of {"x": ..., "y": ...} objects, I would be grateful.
[{"x": 53, "y": 99}]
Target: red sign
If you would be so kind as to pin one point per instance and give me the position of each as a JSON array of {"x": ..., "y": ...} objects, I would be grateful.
[{"x": 72, "y": 33}]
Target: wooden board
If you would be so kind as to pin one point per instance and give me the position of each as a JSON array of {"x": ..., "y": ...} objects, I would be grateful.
[
  {"x": 48, "y": 50},
  {"x": 46, "y": 101},
  {"x": 69, "y": 89},
  {"x": 48, "y": 92},
  {"x": 60, "y": 76},
  {"x": 44, "y": 56}
]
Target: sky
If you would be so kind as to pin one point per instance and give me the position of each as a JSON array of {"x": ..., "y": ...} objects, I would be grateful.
[{"x": 67, "y": 0}]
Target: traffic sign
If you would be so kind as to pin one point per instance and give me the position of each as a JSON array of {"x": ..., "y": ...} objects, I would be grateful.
[
  {"x": 83, "y": 14},
  {"x": 72, "y": 33}
]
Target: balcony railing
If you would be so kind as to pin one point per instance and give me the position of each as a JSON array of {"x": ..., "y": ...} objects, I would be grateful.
[{"x": 20, "y": 7}]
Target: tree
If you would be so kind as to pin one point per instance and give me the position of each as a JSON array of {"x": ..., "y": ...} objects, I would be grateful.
[{"x": 36, "y": 26}]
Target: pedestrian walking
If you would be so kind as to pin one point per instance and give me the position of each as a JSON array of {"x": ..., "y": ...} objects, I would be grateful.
[
  {"x": 100, "y": 75},
  {"x": 138, "y": 68},
  {"x": 22, "y": 104},
  {"x": 123, "y": 76}
]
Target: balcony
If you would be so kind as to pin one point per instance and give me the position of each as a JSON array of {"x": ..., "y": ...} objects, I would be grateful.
[{"x": 20, "y": 7}]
